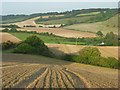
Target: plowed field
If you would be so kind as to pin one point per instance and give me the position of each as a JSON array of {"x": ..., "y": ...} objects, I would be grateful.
[{"x": 27, "y": 71}]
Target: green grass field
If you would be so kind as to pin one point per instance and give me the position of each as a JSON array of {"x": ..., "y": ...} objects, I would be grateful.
[{"x": 46, "y": 39}]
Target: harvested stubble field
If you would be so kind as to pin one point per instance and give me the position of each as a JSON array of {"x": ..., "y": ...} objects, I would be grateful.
[
  {"x": 60, "y": 49},
  {"x": 27, "y": 71},
  {"x": 61, "y": 32},
  {"x": 6, "y": 36}
]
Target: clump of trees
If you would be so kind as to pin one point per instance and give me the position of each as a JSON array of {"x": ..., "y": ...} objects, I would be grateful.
[
  {"x": 10, "y": 26},
  {"x": 8, "y": 45},
  {"x": 29, "y": 26},
  {"x": 92, "y": 55},
  {"x": 33, "y": 45},
  {"x": 111, "y": 39},
  {"x": 99, "y": 33}
]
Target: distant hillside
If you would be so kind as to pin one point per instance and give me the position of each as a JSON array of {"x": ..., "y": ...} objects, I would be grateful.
[
  {"x": 80, "y": 16},
  {"x": 110, "y": 25},
  {"x": 17, "y": 18},
  {"x": 67, "y": 15},
  {"x": 112, "y": 22}
]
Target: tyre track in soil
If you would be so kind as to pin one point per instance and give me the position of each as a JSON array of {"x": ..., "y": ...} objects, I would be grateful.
[
  {"x": 65, "y": 79},
  {"x": 40, "y": 82},
  {"x": 54, "y": 79},
  {"x": 78, "y": 83},
  {"x": 39, "y": 79},
  {"x": 60, "y": 80},
  {"x": 18, "y": 76},
  {"x": 30, "y": 79},
  {"x": 13, "y": 78},
  {"x": 47, "y": 79},
  {"x": 76, "y": 80},
  {"x": 55, "y": 76}
]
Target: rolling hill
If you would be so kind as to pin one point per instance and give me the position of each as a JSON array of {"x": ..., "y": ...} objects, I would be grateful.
[{"x": 110, "y": 25}]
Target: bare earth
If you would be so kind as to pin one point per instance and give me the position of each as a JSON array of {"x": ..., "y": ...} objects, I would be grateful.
[
  {"x": 8, "y": 37},
  {"x": 26, "y": 71}
]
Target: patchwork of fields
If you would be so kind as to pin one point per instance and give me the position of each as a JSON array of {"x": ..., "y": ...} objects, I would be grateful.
[
  {"x": 33, "y": 71},
  {"x": 110, "y": 25},
  {"x": 93, "y": 28},
  {"x": 61, "y": 49}
]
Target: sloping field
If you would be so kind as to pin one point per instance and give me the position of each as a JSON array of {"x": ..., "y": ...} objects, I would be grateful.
[
  {"x": 88, "y": 14},
  {"x": 60, "y": 49},
  {"x": 61, "y": 32},
  {"x": 31, "y": 21},
  {"x": 112, "y": 22},
  {"x": 93, "y": 27},
  {"x": 56, "y": 31},
  {"x": 27, "y": 71},
  {"x": 110, "y": 25},
  {"x": 8, "y": 37},
  {"x": 52, "y": 16},
  {"x": 27, "y": 22}
]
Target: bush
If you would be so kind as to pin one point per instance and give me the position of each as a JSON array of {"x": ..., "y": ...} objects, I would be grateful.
[
  {"x": 99, "y": 33},
  {"x": 13, "y": 30},
  {"x": 8, "y": 45},
  {"x": 34, "y": 41},
  {"x": 24, "y": 48},
  {"x": 5, "y": 30},
  {"x": 111, "y": 39},
  {"x": 91, "y": 55},
  {"x": 110, "y": 62},
  {"x": 33, "y": 45}
]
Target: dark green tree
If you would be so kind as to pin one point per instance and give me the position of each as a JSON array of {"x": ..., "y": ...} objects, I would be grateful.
[
  {"x": 111, "y": 39},
  {"x": 33, "y": 45},
  {"x": 13, "y": 29},
  {"x": 99, "y": 33}
]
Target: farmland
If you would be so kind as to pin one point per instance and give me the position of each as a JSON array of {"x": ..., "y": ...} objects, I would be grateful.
[
  {"x": 47, "y": 38},
  {"x": 110, "y": 25},
  {"x": 7, "y": 36},
  {"x": 61, "y": 49},
  {"x": 88, "y": 14},
  {"x": 42, "y": 72},
  {"x": 29, "y": 65},
  {"x": 66, "y": 20}
]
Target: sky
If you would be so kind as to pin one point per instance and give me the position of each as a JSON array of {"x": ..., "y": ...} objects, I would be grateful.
[{"x": 43, "y": 7}]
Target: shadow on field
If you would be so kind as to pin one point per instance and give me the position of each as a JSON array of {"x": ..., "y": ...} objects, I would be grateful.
[{"x": 34, "y": 59}]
